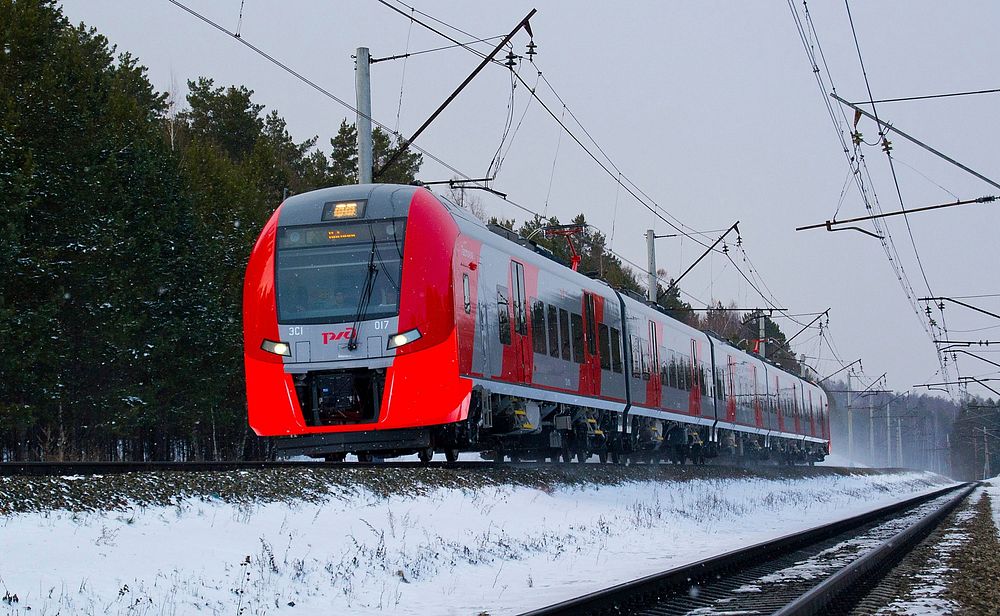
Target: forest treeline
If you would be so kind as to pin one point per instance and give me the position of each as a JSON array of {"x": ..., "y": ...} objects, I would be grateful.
[{"x": 127, "y": 220}]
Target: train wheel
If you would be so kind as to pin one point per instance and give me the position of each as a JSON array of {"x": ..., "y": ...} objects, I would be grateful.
[
  {"x": 425, "y": 454},
  {"x": 335, "y": 457},
  {"x": 365, "y": 457},
  {"x": 602, "y": 456},
  {"x": 451, "y": 455},
  {"x": 582, "y": 456}
]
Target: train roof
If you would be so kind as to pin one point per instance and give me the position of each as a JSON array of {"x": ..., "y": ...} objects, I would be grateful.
[{"x": 381, "y": 201}]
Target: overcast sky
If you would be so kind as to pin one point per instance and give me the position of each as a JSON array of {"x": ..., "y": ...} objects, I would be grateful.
[{"x": 711, "y": 108}]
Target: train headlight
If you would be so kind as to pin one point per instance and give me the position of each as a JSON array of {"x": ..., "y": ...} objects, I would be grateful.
[
  {"x": 402, "y": 338},
  {"x": 278, "y": 348}
]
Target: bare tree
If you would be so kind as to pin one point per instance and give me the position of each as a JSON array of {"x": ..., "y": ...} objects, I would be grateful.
[{"x": 471, "y": 202}]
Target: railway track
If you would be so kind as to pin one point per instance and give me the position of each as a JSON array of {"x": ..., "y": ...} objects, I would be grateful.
[
  {"x": 105, "y": 468},
  {"x": 823, "y": 570}
]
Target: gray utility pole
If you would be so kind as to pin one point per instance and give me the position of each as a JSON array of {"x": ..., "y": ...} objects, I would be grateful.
[
  {"x": 986, "y": 453},
  {"x": 850, "y": 422},
  {"x": 763, "y": 338},
  {"x": 888, "y": 434},
  {"x": 363, "y": 86},
  {"x": 899, "y": 442},
  {"x": 651, "y": 264},
  {"x": 871, "y": 431}
]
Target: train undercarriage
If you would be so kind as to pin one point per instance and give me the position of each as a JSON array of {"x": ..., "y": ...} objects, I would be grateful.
[{"x": 502, "y": 427}]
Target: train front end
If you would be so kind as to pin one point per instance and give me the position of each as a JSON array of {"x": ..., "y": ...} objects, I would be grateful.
[{"x": 349, "y": 336}]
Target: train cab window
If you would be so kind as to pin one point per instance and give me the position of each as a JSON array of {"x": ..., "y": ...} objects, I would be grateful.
[
  {"x": 616, "y": 351},
  {"x": 564, "y": 333},
  {"x": 467, "y": 293},
  {"x": 503, "y": 314},
  {"x": 576, "y": 324},
  {"x": 602, "y": 332},
  {"x": 538, "y": 326},
  {"x": 553, "y": 331},
  {"x": 644, "y": 358}
]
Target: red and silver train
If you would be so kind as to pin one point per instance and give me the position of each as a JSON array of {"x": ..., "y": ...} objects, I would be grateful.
[{"x": 383, "y": 320}]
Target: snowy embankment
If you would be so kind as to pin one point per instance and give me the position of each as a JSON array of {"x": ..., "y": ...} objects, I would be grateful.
[{"x": 393, "y": 541}]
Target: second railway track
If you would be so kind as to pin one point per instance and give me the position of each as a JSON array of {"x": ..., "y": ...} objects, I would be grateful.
[{"x": 822, "y": 570}]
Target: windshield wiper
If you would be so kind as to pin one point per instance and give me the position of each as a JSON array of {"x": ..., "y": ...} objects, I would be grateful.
[{"x": 366, "y": 295}]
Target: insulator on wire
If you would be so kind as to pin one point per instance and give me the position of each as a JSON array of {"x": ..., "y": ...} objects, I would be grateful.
[
  {"x": 531, "y": 50},
  {"x": 511, "y": 60}
]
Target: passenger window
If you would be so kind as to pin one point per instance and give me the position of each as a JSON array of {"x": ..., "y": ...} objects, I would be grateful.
[
  {"x": 605, "y": 346},
  {"x": 467, "y": 293},
  {"x": 553, "y": 332},
  {"x": 564, "y": 333},
  {"x": 503, "y": 315},
  {"x": 616, "y": 351},
  {"x": 538, "y": 326},
  {"x": 576, "y": 322}
]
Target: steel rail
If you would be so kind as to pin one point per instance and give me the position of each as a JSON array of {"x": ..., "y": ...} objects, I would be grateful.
[
  {"x": 639, "y": 594},
  {"x": 873, "y": 566}
]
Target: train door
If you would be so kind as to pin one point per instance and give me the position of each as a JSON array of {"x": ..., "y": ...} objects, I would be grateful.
[
  {"x": 590, "y": 370},
  {"x": 731, "y": 398},
  {"x": 694, "y": 395},
  {"x": 520, "y": 342},
  {"x": 780, "y": 404},
  {"x": 758, "y": 412},
  {"x": 812, "y": 415},
  {"x": 654, "y": 386}
]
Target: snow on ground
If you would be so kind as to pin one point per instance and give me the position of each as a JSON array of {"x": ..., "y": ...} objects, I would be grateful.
[
  {"x": 836, "y": 459},
  {"x": 993, "y": 489},
  {"x": 486, "y": 550}
]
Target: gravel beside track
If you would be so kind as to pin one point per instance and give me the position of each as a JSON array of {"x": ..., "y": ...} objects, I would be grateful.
[
  {"x": 68, "y": 486},
  {"x": 975, "y": 583}
]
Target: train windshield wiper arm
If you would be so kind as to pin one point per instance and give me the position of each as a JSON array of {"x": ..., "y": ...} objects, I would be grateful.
[{"x": 366, "y": 295}]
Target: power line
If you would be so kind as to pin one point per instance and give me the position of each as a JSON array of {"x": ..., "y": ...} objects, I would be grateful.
[
  {"x": 309, "y": 82},
  {"x": 409, "y": 54},
  {"x": 928, "y": 97},
  {"x": 855, "y": 158},
  {"x": 652, "y": 206}
]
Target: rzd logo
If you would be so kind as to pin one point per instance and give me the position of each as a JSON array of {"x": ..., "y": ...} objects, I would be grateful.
[{"x": 342, "y": 335}]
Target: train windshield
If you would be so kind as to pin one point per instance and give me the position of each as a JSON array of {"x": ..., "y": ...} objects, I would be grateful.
[{"x": 323, "y": 272}]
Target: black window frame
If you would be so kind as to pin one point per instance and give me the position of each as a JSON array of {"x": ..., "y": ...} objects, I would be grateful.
[
  {"x": 577, "y": 333},
  {"x": 616, "y": 351},
  {"x": 564, "y": 337},
  {"x": 604, "y": 337},
  {"x": 553, "y": 328},
  {"x": 538, "y": 326},
  {"x": 503, "y": 314}
]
